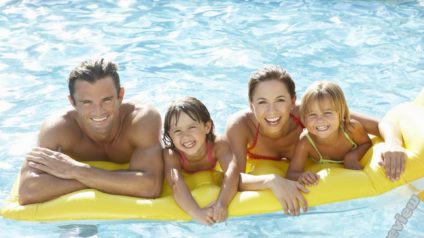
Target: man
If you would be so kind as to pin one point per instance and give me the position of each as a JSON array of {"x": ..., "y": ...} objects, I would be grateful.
[{"x": 99, "y": 127}]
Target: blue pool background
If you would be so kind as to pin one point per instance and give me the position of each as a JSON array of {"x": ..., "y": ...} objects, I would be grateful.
[{"x": 208, "y": 49}]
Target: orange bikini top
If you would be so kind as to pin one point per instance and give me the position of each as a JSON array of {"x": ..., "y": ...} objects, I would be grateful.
[{"x": 255, "y": 141}]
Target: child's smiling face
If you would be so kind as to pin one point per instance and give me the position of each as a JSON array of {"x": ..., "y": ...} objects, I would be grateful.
[
  {"x": 188, "y": 135},
  {"x": 322, "y": 119}
]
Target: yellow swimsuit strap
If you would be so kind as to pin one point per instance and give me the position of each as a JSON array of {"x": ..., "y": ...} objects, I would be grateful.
[
  {"x": 322, "y": 160},
  {"x": 346, "y": 135}
]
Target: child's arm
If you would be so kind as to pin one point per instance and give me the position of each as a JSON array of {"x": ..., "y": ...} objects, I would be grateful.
[
  {"x": 181, "y": 192},
  {"x": 297, "y": 165},
  {"x": 361, "y": 138},
  {"x": 228, "y": 163}
]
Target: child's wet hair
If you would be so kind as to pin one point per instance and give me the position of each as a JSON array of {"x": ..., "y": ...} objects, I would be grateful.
[
  {"x": 195, "y": 109},
  {"x": 325, "y": 90}
]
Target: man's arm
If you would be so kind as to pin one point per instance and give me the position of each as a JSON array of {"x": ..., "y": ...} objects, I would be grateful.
[
  {"x": 143, "y": 179},
  {"x": 37, "y": 186}
]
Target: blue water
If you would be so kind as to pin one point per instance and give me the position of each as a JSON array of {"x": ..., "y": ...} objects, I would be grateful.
[{"x": 208, "y": 49}]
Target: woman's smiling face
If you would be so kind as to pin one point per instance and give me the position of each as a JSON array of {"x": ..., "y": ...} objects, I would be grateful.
[{"x": 271, "y": 104}]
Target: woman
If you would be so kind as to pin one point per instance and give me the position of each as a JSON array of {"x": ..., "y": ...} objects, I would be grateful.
[{"x": 271, "y": 129}]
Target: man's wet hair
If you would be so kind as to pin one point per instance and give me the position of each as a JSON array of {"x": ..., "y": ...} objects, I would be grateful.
[{"x": 91, "y": 71}]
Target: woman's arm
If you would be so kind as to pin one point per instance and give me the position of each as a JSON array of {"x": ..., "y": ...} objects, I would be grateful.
[
  {"x": 393, "y": 155},
  {"x": 370, "y": 124},
  {"x": 286, "y": 191},
  {"x": 237, "y": 136}
]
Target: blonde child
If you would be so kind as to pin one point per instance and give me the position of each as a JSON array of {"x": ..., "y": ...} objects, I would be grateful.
[
  {"x": 330, "y": 135},
  {"x": 192, "y": 146}
]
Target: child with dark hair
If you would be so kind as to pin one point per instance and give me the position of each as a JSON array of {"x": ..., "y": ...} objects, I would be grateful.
[{"x": 192, "y": 146}]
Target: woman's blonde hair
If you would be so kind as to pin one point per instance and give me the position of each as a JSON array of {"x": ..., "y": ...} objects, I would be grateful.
[{"x": 320, "y": 91}]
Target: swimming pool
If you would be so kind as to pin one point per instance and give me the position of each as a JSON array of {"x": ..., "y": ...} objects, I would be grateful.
[{"x": 208, "y": 49}]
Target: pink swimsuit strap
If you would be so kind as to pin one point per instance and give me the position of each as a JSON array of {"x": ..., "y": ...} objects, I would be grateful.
[{"x": 184, "y": 161}]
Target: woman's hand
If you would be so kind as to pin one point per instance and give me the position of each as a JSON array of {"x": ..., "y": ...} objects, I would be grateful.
[
  {"x": 289, "y": 195},
  {"x": 393, "y": 159}
]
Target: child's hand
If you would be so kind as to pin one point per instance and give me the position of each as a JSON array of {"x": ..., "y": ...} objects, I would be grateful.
[
  {"x": 220, "y": 212},
  {"x": 308, "y": 178},
  {"x": 204, "y": 216}
]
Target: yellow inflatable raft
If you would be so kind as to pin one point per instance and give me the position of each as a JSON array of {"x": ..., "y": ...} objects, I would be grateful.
[{"x": 336, "y": 184}]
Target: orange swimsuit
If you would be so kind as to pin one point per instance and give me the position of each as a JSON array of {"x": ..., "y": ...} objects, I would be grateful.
[
  {"x": 252, "y": 155},
  {"x": 184, "y": 161}
]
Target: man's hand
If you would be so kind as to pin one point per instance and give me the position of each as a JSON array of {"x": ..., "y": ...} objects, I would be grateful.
[{"x": 53, "y": 162}]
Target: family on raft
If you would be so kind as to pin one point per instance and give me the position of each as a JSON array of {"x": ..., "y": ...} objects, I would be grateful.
[{"x": 102, "y": 127}]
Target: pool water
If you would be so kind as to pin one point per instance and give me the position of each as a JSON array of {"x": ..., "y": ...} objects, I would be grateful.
[{"x": 208, "y": 49}]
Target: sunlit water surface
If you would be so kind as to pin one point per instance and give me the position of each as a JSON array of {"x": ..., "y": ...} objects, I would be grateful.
[{"x": 208, "y": 49}]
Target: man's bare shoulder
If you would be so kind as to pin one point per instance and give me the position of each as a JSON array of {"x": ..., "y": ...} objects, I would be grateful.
[
  {"x": 138, "y": 112},
  {"x": 59, "y": 129},
  {"x": 143, "y": 122}
]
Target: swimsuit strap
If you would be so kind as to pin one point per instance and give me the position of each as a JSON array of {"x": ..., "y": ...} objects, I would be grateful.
[
  {"x": 315, "y": 147},
  {"x": 255, "y": 156},
  {"x": 255, "y": 140},
  {"x": 346, "y": 135},
  {"x": 184, "y": 161},
  {"x": 322, "y": 160},
  {"x": 211, "y": 159},
  {"x": 297, "y": 120}
]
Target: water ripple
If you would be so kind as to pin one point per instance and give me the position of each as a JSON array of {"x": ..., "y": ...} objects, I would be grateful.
[{"x": 207, "y": 49}]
